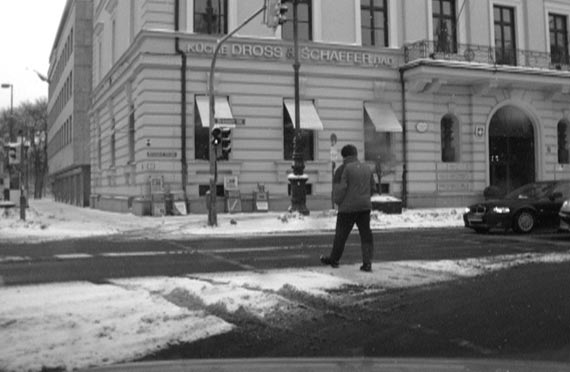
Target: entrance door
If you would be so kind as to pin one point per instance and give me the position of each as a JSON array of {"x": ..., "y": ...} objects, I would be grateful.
[{"x": 511, "y": 149}]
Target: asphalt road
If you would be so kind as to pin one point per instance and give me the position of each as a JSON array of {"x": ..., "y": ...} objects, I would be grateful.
[
  {"x": 98, "y": 259},
  {"x": 512, "y": 314}
]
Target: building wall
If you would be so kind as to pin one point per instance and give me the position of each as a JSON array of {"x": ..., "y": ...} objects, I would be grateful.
[
  {"x": 68, "y": 104},
  {"x": 145, "y": 73}
]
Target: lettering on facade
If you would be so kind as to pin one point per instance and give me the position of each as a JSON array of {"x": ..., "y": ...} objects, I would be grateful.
[
  {"x": 148, "y": 166},
  {"x": 306, "y": 54},
  {"x": 453, "y": 187},
  {"x": 454, "y": 177},
  {"x": 161, "y": 154}
]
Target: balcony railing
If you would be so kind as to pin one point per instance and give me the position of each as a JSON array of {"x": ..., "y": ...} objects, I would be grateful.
[{"x": 485, "y": 54}]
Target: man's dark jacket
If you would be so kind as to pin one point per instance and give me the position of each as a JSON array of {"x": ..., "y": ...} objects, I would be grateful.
[{"x": 353, "y": 184}]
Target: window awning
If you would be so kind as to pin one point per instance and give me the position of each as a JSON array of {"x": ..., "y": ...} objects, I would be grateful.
[
  {"x": 382, "y": 117},
  {"x": 222, "y": 109},
  {"x": 307, "y": 113}
]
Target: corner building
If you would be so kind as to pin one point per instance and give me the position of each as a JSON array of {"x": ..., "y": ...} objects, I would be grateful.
[{"x": 444, "y": 97}]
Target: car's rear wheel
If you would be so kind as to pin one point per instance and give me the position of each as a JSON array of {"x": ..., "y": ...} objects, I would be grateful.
[
  {"x": 524, "y": 222},
  {"x": 481, "y": 230}
]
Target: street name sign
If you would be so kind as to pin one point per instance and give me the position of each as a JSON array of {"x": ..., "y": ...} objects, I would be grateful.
[{"x": 229, "y": 121}]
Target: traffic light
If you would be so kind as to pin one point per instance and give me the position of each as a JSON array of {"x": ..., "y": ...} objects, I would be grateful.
[
  {"x": 217, "y": 141},
  {"x": 275, "y": 12},
  {"x": 13, "y": 154},
  {"x": 216, "y": 136},
  {"x": 226, "y": 142}
]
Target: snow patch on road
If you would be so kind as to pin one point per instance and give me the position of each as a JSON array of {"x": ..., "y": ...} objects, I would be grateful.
[{"x": 77, "y": 325}]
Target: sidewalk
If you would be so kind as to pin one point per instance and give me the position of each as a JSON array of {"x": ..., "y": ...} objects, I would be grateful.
[{"x": 47, "y": 220}]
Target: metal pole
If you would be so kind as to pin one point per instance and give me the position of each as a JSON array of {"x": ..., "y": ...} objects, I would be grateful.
[
  {"x": 10, "y": 132},
  {"x": 11, "y": 112},
  {"x": 22, "y": 189},
  {"x": 298, "y": 179},
  {"x": 212, "y": 214}
]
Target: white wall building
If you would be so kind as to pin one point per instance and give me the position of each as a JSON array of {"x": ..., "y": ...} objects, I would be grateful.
[{"x": 450, "y": 96}]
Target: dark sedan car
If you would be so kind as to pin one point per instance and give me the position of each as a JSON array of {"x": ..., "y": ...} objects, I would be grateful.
[{"x": 522, "y": 210}]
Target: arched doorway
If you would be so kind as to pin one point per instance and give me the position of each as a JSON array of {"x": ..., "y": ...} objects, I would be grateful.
[{"x": 511, "y": 149}]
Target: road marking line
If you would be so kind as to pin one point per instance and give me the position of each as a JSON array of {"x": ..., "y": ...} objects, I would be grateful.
[
  {"x": 142, "y": 253},
  {"x": 14, "y": 259},
  {"x": 288, "y": 257},
  {"x": 262, "y": 249},
  {"x": 72, "y": 256}
]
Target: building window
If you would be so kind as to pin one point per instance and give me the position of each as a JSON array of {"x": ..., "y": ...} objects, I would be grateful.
[
  {"x": 444, "y": 26},
  {"x": 113, "y": 40},
  {"x": 505, "y": 45},
  {"x": 210, "y": 17},
  {"x": 558, "y": 39},
  {"x": 307, "y": 139},
  {"x": 449, "y": 139},
  {"x": 304, "y": 21},
  {"x": 99, "y": 149},
  {"x": 377, "y": 145},
  {"x": 563, "y": 129},
  {"x": 100, "y": 60},
  {"x": 112, "y": 144},
  {"x": 201, "y": 137},
  {"x": 132, "y": 134},
  {"x": 374, "y": 22}
]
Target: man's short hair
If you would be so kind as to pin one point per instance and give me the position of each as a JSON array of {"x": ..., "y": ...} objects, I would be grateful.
[{"x": 348, "y": 150}]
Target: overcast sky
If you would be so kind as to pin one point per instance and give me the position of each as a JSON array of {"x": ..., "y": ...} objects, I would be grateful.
[{"x": 27, "y": 33}]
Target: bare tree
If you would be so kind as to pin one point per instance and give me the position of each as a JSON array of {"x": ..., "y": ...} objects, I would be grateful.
[{"x": 30, "y": 120}]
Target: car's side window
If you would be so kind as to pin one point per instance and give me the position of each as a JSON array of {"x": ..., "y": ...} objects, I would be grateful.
[{"x": 564, "y": 189}]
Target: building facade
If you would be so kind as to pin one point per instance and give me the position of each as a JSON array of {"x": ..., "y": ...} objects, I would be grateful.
[
  {"x": 68, "y": 105},
  {"x": 441, "y": 97}
]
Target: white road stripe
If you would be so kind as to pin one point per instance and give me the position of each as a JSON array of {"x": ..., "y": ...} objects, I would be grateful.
[
  {"x": 143, "y": 253},
  {"x": 72, "y": 256},
  {"x": 14, "y": 259}
]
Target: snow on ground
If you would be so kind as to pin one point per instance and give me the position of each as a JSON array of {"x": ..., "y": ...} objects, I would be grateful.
[
  {"x": 48, "y": 220},
  {"x": 80, "y": 324}
]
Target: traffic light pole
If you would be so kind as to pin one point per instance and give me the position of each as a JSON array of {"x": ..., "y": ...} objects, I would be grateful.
[{"x": 212, "y": 213}]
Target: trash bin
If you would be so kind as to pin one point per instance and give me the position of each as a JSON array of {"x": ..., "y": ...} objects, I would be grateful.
[{"x": 168, "y": 204}]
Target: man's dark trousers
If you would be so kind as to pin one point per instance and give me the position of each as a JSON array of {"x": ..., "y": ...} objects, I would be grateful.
[{"x": 344, "y": 223}]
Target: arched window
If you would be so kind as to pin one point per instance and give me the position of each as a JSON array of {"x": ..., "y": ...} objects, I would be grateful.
[
  {"x": 449, "y": 139},
  {"x": 563, "y": 142}
]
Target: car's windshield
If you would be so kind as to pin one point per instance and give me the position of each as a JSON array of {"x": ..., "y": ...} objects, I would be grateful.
[{"x": 531, "y": 191}]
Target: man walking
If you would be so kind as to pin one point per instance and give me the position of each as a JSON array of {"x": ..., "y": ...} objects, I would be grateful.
[{"x": 353, "y": 184}]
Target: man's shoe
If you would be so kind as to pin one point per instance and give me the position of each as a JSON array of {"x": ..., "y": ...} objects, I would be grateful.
[
  {"x": 366, "y": 267},
  {"x": 327, "y": 261}
]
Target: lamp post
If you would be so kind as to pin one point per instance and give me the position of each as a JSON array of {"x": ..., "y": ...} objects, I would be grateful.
[
  {"x": 10, "y": 122},
  {"x": 23, "y": 201},
  {"x": 297, "y": 179}
]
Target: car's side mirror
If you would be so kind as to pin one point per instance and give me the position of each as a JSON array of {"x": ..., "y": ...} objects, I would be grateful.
[{"x": 555, "y": 195}]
